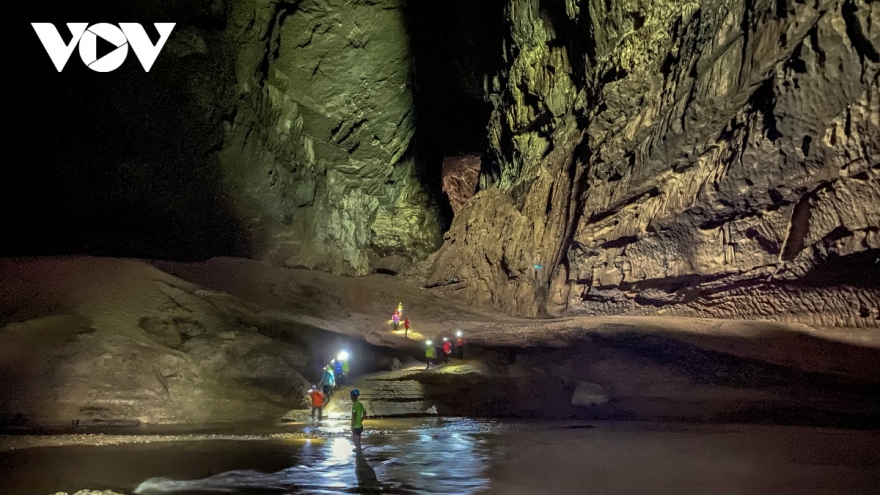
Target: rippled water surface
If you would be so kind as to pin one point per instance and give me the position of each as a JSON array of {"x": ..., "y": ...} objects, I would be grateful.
[{"x": 460, "y": 456}]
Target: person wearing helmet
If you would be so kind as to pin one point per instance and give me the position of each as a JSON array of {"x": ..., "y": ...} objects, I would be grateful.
[
  {"x": 337, "y": 372},
  {"x": 328, "y": 380},
  {"x": 430, "y": 353},
  {"x": 459, "y": 344},
  {"x": 317, "y": 402},
  {"x": 358, "y": 414},
  {"x": 447, "y": 349}
]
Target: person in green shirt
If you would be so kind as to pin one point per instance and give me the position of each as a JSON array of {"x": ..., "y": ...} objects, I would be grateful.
[
  {"x": 358, "y": 413},
  {"x": 430, "y": 353}
]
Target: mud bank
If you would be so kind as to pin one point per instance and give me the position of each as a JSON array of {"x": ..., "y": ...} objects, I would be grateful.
[{"x": 125, "y": 342}]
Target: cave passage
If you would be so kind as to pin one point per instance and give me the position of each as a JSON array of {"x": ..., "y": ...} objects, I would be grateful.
[{"x": 456, "y": 45}]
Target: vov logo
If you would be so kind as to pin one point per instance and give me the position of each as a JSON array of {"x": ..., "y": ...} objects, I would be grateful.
[{"x": 127, "y": 34}]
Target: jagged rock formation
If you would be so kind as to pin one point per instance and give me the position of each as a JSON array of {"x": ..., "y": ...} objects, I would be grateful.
[
  {"x": 715, "y": 158},
  {"x": 460, "y": 177},
  {"x": 696, "y": 157}
]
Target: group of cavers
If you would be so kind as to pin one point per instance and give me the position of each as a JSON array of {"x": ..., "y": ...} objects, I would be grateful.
[
  {"x": 395, "y": 319},
  {"x": 443, "y": 349},
  {"x": 336, "y": 372},
  {"x": 446, "y": 348},
  {"x": 333, "y": 375}
]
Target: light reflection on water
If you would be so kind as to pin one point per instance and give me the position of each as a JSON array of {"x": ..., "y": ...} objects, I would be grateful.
[{"x": 433, "y": 458}]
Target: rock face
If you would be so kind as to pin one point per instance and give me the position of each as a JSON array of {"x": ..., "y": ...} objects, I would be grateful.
[
  {"x": 90, "y": 341},
  {"x": 460, "y": 177},
  {"x": 267, "y": 129},
  {"x": 318, "y": 151},
  {"x": 713, "y": 158}
]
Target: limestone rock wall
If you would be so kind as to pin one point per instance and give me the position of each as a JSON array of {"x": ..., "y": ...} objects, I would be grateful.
[
  {"x": 276, "y": 130},
  {"x": 716, "y": 158},
  {"x": 318, "y": 151}
]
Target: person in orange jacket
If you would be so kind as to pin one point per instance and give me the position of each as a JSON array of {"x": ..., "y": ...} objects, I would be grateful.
[{"x": 317, "y": 402}]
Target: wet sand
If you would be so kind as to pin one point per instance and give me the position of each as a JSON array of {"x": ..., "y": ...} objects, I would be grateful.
[{"x": 461, "y": 456}]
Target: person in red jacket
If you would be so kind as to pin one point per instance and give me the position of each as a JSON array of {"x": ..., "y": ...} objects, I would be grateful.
[
  {"x": 447, "y": 349},
  {"x": 459, "y": 345},
  {"x": 405, "y": 326}
]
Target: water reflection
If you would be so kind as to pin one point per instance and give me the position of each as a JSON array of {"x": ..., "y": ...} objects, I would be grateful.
[
  {"x": 436, "y": 458},
  {"x": 368, "y": 482}
]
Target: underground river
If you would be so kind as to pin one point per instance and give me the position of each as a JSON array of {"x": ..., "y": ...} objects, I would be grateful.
[{"x": 450, "y": 456}]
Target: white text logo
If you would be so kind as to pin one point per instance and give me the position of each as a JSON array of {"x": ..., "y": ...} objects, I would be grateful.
[{"x": 87, "y": 38}]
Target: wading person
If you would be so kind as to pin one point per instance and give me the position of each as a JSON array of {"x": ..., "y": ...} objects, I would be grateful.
[
  {"x": 430, "y": 353},
  {"x": 338, "y": 373},
  {"x": 327, "y": 382},
  {"x": 317, "y": 402},
  {"x": 358, "y": 414},
  {"x": 405, "y": 326}
]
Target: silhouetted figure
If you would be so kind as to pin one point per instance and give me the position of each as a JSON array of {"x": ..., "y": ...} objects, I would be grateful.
[{"x": 459, "y": 346}]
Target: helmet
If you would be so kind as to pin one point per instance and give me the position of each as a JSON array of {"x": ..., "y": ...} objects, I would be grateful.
[
  {"x": 445, "y": 339},
  {"x": 314, "y": 387},
  {"x": 355, "y": 392}
]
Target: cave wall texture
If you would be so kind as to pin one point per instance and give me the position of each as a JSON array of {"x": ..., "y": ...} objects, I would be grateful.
[
  {"x": 319, "y": 149},
  {"x": 710, "y": 158},
  {"x": 278, "y": 130}
]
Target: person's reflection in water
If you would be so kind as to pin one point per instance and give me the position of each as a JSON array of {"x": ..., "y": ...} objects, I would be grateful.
[{"x": 368, "y": 482}]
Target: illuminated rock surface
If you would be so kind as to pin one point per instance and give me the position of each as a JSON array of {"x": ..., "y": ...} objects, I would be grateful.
[
  {"x": 715, "y": 159},
  {"x": 319, "y": 151},
  {"x": 123, "y": 342}
]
